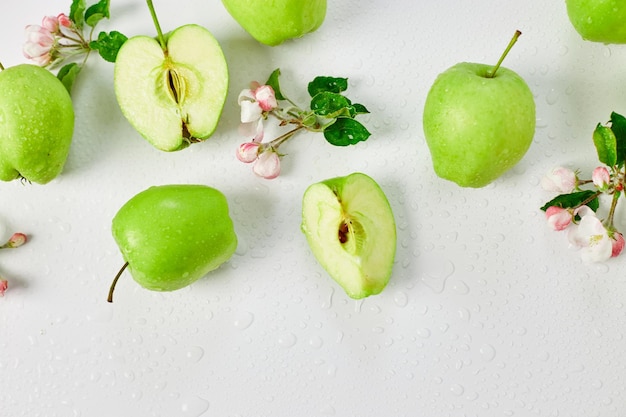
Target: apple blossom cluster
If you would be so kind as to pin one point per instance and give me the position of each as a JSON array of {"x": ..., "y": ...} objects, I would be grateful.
[
  {"x": 60, "y": 38},
  {"x": 575, "y": 209},
  {"x": 330, "y": 112},
  {"x": 15, "y": 241}
]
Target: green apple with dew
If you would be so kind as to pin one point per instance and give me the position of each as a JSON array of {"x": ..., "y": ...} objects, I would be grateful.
[
  {"x": 598, "y": 20},
  {"x": 273, "y": 22},
  {"x": 172, "y": 89},
  {"x": 350, "y": 228},
  {"x": 172, "y": 235},
  {"x": 36, "y": 124},
  {"x": 479, "y": 121}
]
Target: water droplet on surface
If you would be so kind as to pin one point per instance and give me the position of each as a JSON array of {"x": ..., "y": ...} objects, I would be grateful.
[
  {"x": 287, "y": 340},
  {"x": 435, "y": 273},
  {"x": 423, "y": 333},
  {"x": 461, "y": 287},
  {"x": 194, "y": 407},
  {"x": 244, "y": 320},
  {"x": 194, "y": 354},
  {"x": 487, "y": 352},
  {"x": 457, "y": 390},
  {"x": 401, "y": 299}
]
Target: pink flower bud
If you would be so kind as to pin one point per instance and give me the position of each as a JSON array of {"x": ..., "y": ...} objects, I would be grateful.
[
  {"x": 618, "y": 243},
  {"x": 64, "y": 20},
  {"x": 248, "y": 152},
  {"x": 266, "y": 97},
  {"x": 267, "y": 165},
  {"x": 4, "y": 284},
  {"x": 601, "y": 177},
  {"x": 558, "y": 217},
  {"x": 17, "y": 240},
  {"x": 39, "y": 42},
  {"x": 562, "y": 180},
  {"x": 50, "y": 23}
]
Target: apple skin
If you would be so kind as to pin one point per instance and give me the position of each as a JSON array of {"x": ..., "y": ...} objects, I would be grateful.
[
  {"x": 476, "y": 127},
  {"x": 360, "y": 258},
  {"x": 171, "y": 122},
  {"x": 598, "y": 20},
  {"x": 173, "y": 235},
  {"x": 36, "y": 124},
  {"x": 273, "y": 22}
]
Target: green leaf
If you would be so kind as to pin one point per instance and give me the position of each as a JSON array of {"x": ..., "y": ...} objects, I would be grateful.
[
  {"x": 272, "y": 81},
  {"x": 77, "y": 11},
  {"x": 97, "y": 12},
  {"x": 327, "y": 84},
  {"x": 574, "y": 200},
  {"x": 67, "y": 75},
  {"x": 618, "y": 126},
  {"x": 345, "y": 131},
  {"x": 606, "y": 145},
  {"x": 108, "y": 44},
  {"x": 328, "y": 104},
  {"x": 360, "y": 109}
]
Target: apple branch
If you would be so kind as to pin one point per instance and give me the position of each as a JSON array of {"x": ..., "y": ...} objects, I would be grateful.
[{"x": 492, "y": 73}]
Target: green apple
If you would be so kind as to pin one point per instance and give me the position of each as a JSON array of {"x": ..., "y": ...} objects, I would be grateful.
[
  {"x": 172, "y": 235},
  {"x": 36, "y": 124},
  {"x": 172, "y": 89},
  {"x": 350, "y": 228},
  {"x": 598, "y": 20},
  {"x": 478, "y": 123},
  {"x": 273, "y": 22}
]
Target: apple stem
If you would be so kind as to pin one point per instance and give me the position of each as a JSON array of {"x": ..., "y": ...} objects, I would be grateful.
[
  {"x": 1, "y": 66},
  {"x": 492, "y": 72},
  {"x": 157, "y": 25},
  {"x": 119, "y": 274}
]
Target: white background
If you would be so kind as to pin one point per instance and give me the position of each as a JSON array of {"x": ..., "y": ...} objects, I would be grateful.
[{"x": 488, "y": 312}]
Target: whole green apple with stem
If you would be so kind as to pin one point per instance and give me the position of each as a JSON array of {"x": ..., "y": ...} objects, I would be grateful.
[
  {"x": 350, "y": 228},
  {"x": 598, "y": 20},
  {"x": 172, "y": 235},
  {"x": 478, "y": 121},
  {"x": 273, "y": 22},
  {"x": 36, "y": 124},
  {"x": 172, "y": 89}
]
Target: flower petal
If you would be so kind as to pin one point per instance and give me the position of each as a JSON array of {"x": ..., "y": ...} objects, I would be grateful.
[{"x": 267, "y": 165}]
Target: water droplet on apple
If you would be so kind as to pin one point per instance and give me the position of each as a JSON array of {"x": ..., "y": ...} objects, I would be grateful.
[{"x": 244, "y": 320}]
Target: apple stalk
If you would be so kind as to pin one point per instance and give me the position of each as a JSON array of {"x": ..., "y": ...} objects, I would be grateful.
[
  {"x": 160, "y": 36},
  {"x": 492, "y": 72},
  {"x": 114, "y": 283}
]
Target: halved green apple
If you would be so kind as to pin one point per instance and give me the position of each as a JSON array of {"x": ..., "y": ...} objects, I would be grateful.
[
  {"x": 350, "y": 227},
  {"x": 172, "y": 89}
]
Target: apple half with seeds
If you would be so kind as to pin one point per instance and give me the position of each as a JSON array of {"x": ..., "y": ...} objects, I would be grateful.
[{"x": 351, "y": 230}]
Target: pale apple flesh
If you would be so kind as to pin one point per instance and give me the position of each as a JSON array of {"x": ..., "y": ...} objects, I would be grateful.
[
  {"x": 274, "y": 22},
  {"x": 174, "y": 97},
  {"x": 173, "y": 235},
  {"x": 36, "y": 124},
  {"x": 350, "y": 228},
  {"x": 477, "y": 127}
]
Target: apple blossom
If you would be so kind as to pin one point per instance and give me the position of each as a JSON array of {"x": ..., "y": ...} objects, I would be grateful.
[
  {"x": 601, "y": 178},
  {"x": 558, "y": 217},
  {"x": 559, "y": 179},
  {"x": 248, "y": 152},
  {"x": 4, "y": 285},
  {"x": 39, "y": 44},
  {"x": 618, "y": 243},
  {"x": 267, "y": 164},
  {"x": 592, "y": 238}
]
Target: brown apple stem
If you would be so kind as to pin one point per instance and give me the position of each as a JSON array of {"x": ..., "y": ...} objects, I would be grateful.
[
  {"x": 492, "y": 72},
  {"x": 1, "y": 66},
  {"x": 119, "y": 274},
  {"x": 157, "y": 25}
]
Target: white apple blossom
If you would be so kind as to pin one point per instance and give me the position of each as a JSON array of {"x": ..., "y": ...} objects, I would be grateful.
[
  {"x": 559, "y": 179},
  {"x": 591, "y": 237},
  {"x": 558, "y": 218},
  {"x": 248, "y": 152},
  {"x": 267, "y": 164}
]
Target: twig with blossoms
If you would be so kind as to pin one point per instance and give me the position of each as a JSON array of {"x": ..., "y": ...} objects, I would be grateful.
[
  {"x": 330, "y": 112},
  {"x": 575, "y": 209},
  {"x": 15, "y": 241},
  {"x": 61, "y": 38}
]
